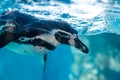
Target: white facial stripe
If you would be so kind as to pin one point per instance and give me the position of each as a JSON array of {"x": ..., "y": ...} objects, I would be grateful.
[
  {"x": 73, "y": 36},
  {"x": 72, "y": 42},
  {"x": 48, "y": 38},
  {"x": 57, "y": 30}
]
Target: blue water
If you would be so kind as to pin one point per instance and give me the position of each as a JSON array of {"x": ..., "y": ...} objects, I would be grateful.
[{"x": 98, "y": 24}]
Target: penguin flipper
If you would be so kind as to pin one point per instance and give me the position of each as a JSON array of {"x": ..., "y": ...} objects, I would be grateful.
[
  {"x": 32, "y": 29},
  {"x": 45, "y": 59}
]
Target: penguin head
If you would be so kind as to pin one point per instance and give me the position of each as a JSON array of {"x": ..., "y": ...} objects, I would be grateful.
[
  {"x": 7, "y": 28},
  {"x": 70, "y": 39}
]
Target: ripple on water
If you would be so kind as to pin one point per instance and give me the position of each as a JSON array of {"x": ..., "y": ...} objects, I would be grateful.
[{"x": 85, "y": 18}]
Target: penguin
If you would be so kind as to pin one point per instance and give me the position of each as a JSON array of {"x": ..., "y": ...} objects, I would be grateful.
[{"x": 27, "y": 34}]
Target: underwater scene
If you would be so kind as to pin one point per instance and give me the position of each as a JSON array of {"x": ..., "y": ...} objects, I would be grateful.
[{"x": 98, "y": 25}]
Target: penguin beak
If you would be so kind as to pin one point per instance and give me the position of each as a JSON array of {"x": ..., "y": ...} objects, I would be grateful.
[
  {"x": 75, "y": 42},
  {"x": 72, "y": 40},
  {"x": 79, "y": 45}
]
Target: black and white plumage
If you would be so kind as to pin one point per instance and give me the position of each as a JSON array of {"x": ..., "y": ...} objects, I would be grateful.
[{"x": 23, "y": 33}]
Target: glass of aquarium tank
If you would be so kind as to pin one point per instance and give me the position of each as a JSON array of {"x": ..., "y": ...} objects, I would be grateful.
[{"x": 97, "y": 23}]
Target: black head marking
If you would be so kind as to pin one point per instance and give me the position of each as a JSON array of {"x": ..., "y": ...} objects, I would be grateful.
[
  {"x": 72, "y": 40},
  {"x": 62, "y": 37}
]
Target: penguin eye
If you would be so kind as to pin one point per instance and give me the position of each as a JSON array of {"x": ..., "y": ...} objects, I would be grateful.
[
  {"x": 14, "y": 27},
  {"x": 65, "y": 35}
]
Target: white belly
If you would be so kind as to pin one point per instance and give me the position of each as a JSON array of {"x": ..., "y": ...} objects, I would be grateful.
[
  {"x": 25, "y": 49},
  {"x": 28, "y": 50}
]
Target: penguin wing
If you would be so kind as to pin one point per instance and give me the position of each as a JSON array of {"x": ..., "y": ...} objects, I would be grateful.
[{"x": 33, "y": 29}]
